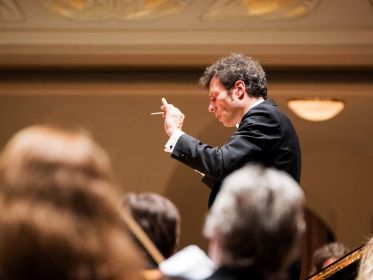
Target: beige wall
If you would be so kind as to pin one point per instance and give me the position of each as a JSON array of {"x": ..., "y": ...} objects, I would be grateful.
[{"x": 337, "y": 154}]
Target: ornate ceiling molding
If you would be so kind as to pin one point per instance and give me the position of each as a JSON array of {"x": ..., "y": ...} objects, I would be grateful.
[
  {"x": 264, "y": 9},
  {"x": 329, "y": 34},
  {"x": 9, "y": 11},
  {"x": 93, "y": 10}
]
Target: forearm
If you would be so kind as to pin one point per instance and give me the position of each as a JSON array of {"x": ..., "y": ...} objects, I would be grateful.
[{"x": 204, "y": 158}]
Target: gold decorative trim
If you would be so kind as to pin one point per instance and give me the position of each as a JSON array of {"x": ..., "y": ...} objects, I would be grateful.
[
  {"x": 114, "y": 9},
  {"x": 265, "y": 9},
  {"x": 9, "y": 11}
]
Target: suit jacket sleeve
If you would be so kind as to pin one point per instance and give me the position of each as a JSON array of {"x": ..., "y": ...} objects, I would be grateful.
[{"x": 252, "y": 142}]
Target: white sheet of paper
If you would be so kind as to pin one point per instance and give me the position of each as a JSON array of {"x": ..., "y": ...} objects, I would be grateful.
[{"x": 190, "y": 263}]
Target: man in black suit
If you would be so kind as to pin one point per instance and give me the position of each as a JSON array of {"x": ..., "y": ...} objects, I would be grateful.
[{"x": 238, "y": 97}]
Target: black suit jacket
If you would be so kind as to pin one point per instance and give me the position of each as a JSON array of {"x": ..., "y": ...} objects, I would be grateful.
[
  {"x": 226, "y": 273},
  {"x": 264, "y": 135}
]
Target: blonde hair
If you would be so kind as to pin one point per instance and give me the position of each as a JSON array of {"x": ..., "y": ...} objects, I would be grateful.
[
  {"x": 41, "y": 241},
  {"x": 42, "y": 154},
  {"x": 60, "y": 217}
]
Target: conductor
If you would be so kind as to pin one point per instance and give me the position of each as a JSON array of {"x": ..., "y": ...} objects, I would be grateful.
[{"x": 238, "y": 98}]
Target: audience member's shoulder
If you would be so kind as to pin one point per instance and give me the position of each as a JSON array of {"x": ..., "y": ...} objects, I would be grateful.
[{"x": 264, "y": 111}]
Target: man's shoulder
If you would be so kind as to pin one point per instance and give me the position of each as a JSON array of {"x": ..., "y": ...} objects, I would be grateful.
[
  {"x": 266, "y": 105},
  {"x": 267, "y": 110}
]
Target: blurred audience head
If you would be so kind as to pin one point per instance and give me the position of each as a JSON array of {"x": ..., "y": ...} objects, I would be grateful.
[
  {"x": 327, "y": 254},
  {"x": 158, "y": 217},
  {"x": 43, "y": 162},
  {"x": 59, "y": 213},
  {"x": 41, "y": 241},
  {"x": 257, "y": 221},
  {"x": 366, "y": 262}
]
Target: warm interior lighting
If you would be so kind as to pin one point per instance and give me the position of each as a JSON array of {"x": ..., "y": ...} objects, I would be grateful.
[{"x": 316, "y": 109}]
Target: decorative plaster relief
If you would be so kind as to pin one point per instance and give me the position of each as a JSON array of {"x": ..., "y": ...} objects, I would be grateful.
[
  {"x": 9, "y": 11},
  {"x": 265, "y": 9},
  {"x": 114, "y": 9}
]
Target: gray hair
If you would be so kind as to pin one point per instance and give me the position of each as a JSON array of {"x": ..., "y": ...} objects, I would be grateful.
[
  {"x": 258, "y": 219},
  {"x": 365, "y": 268}
]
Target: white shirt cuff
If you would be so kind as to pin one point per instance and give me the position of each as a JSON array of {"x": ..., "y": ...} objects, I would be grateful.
[{"x": 170, "y": 145}]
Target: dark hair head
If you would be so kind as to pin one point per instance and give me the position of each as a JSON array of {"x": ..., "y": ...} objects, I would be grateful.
[
  {"x": 158, "y": 217},
  {"x": 237, "y": 67}
]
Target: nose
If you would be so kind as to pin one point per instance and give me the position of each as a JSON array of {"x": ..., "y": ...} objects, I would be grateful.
[{"x": 211, "y": 108}]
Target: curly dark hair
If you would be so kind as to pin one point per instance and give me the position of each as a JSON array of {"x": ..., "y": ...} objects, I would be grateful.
[{"x": 237, "y": 67}]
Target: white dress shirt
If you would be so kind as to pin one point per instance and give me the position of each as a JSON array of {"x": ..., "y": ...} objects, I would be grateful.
[{"x": 170, "y": 145}]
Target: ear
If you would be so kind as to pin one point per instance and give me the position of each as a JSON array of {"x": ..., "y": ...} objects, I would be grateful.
[
  {"x": 214, "y": 250},
  {"x": 240, "y": 89}
]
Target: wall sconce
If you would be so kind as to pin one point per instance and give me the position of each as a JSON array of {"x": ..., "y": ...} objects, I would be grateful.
[{"x": 316, "y": 109}]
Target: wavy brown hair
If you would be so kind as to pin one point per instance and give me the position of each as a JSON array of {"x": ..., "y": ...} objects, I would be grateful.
[{"x": 59, "y": 213}]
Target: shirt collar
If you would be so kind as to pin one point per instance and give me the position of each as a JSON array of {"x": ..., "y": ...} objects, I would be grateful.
[{"x": 260, "y": 100}]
